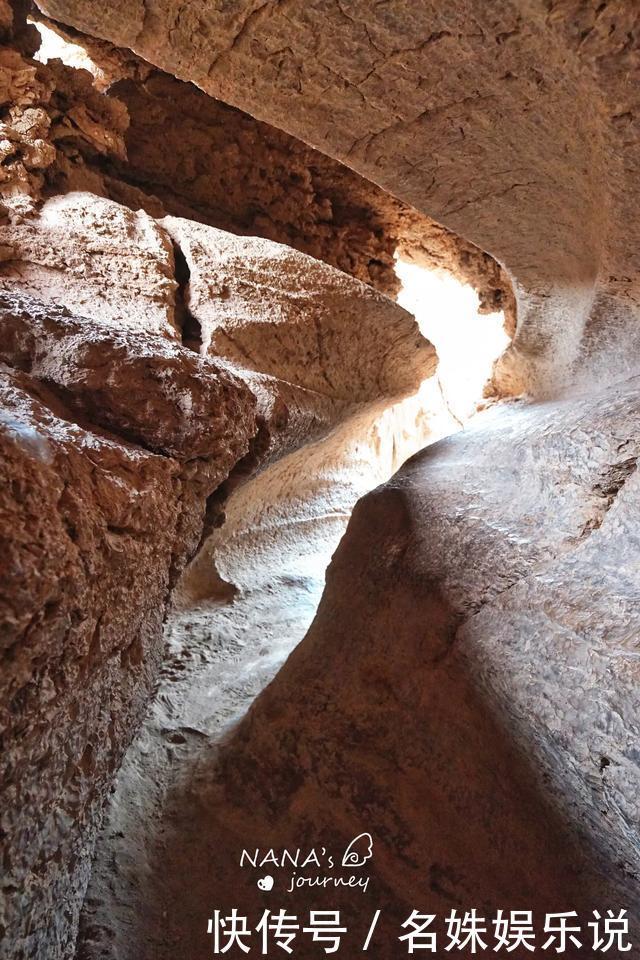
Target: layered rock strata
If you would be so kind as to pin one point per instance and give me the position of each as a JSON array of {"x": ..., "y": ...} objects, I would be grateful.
[
  {"x": 240, "y": 608},
  {"x": 229, "y": 170}
]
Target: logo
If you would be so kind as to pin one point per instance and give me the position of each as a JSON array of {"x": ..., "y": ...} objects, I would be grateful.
[
  {"x": 359, "y": 851},
  {"x": 319, "y": 860}
]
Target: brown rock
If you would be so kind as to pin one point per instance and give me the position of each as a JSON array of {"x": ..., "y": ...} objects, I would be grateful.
[
  {"x": 222, "y": 167},
  {"x": 467, "y": 692},
  {"x": 150, "y": 391},
  {"x": 175, "y": 425},
  {"x": 513, "y": 126},
  {"x": 280, "y": 312},
  {"x": 53, "y": 120},
  {"x": 312, "y": 342},
  {"x": 94, "y": 256},
  {"x": 309, "y": 341},
  {"x": 95, "y": 530}
]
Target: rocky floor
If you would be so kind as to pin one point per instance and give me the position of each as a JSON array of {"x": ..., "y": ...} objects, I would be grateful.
[
  {"x": 221, "y": 654},
  {"x": 437, "y": 763}
]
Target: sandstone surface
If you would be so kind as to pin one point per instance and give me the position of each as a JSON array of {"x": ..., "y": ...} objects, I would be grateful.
[
  {"x": 467, "y": 691},
  {"x": 99, "y": 515},
  {"x": 94, "y": 256},
  {"x": 121, "y": 446},
  {"x": 501, "y": 769},
  {"x": 310, "y": 341},
  {"x": 513, "y": 124}
]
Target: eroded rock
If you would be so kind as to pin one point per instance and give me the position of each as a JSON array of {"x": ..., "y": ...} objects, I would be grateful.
[
  {"x": 514, "y": 126},
  {"x": 279, "y": 312},
  {"x": 467, "y": 691},
  {"x": 53, "y": 122},
  {"x": 289, "y": 347},
  {"x": 310, "y": 341},
  {"x": 239, "y": 609},
  {"x": 66, "y": 130},
  {"x": 94, "y": 256},
  {"x": 500, "y": 770},
  {"x": 149, "y": 391},
  {"x": 222, "y": 167},
  {"x": 110, "y": 449}
]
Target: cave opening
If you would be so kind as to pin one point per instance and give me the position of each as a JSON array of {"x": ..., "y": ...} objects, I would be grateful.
[
  {"x": 55, "y": 46},
  {"x": 467, "y": 341}
]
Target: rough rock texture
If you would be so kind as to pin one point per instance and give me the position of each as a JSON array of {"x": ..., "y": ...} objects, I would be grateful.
[
  {"x": 102, "y": 504},
  {"x": 115, "y": 471},
  {"x": 467, "y": 692},
  {"x": 154, "y": 393},
  {"x": 53, "y": 123},
  {"x": 97, "y": 257},
  {"x": 277, "y": 311},
  {"x": 513, "y": 124},
  {"x": 310, "y": 341},
  {"x": 241, "y": 606},
  {"x": 223, "y": 167},
  {"x": 213, "y": 164}
]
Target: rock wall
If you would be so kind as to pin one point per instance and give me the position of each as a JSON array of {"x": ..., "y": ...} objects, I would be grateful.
[
  {"x": 314, "y": 345},
  {"x": 104, "y": 488},
  {"x": 214, "y": 164},
  {"x": 54, "y": 122},
  {"x": 227, "y": 169},
  {"x": 120, "y": 445},
  {"x": 95, "y": 256},
  {"x": 513, "y": 124},
  {"x": 471, "y": 667},
  {"x": 501, "y": 768},
  {"x": 240, "y": 607}
]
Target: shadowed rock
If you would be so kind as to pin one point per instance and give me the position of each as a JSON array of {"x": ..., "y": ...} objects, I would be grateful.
[
  {"x": 468, "y": 690},
  {"x": 102, "y": 506}
]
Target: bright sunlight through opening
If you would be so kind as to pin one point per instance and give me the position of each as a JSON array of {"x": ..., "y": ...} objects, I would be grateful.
[
  {"x": 467, "y": 342},
  {"x": 53, "y": 47}
]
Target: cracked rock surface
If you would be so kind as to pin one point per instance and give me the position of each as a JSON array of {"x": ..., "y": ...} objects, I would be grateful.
[
  {"x": 76, "y": 246},
  {"x": 225, "y": 168},
  {"x": 310, "y": 341},
  {"x": 213, "y": 164},
  {"x": 486, "y": 117},
  {"x": 53, "y": 123},
  {"x": 121, "y": 445}
]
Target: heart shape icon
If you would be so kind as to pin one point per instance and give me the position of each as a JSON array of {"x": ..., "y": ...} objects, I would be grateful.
[{"x": 266, "y": 883}]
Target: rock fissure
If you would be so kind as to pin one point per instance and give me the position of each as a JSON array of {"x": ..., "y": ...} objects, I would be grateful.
[{"x": 191, "y": 332}]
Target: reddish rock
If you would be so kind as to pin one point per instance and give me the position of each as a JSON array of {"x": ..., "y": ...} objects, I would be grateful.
[{"x": 101, "y": 508}]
